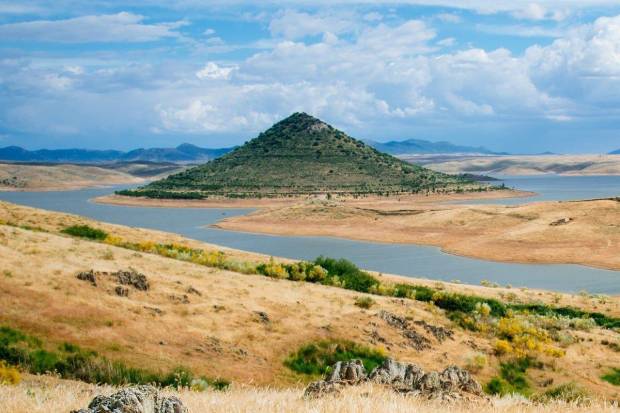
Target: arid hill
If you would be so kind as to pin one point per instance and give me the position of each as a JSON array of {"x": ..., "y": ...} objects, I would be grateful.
[{"x": 301, "y": 155}]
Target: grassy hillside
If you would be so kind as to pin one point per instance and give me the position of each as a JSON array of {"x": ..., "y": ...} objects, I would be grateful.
[
  {"x": 245, "y": 318},
  {"x": 301, "y": 155}
]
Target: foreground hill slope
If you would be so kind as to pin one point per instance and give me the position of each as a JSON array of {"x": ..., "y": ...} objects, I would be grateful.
[
  {"x": 302, "y": 155},
  {"x": 227, "y": 323}
]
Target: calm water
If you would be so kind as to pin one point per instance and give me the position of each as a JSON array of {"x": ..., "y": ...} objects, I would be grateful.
[
  {"x": 411, "y": 260},
  {"x": 558, "y": 188}
]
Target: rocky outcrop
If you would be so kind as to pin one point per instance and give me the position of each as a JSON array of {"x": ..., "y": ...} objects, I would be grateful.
[
  {"x": 439, "y": 332},
  {"x": 415, "y": 339},
  {"x": 453, "y": 383},
  {"x": 341, "y": 374},
  {"x": 396, "y": 374},
  {"x": 137, "y": 399},
  {"x": 350, "y": 372},
  {"x": 130, "y": 278}
]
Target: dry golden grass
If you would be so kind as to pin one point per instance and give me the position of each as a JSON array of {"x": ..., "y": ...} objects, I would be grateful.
[
  {"x": 43, "y": 395},
  {"x": 502, "y": 233},
  {"x": 219, "y": 334}
]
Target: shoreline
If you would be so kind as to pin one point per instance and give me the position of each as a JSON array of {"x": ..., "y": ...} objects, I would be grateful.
[
  {"x": 121, "y": 200},
  {"x": 533, "y": 233},
  {"x": 52, "y": 220}
]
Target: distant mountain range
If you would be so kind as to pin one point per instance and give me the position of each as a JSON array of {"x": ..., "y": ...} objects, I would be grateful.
[
  {"x": 182, "y": 153},
  {"x": 418, "y": 146},
  {"x": 616, "y": 152},
  {"x": 191, "y": 153}
]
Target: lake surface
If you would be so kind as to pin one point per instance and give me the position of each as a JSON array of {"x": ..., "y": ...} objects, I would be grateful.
[
  {"x": 403, "y": 259},
  {"x": 556, "y": 188}
]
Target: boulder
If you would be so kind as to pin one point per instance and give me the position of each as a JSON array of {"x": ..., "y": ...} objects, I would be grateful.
[
  {"x": 454, "y": 378},
  {"x": 396, "y": 374},
  {"x": 133, "y": 278},
  {"x": 322, "y": 388},
  {"x": 137, "y": 399},
  {"x": 350, "y": 372},
  {"x": 89, "y": 276}
]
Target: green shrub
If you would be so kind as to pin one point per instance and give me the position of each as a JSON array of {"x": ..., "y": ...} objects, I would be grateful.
[
  {"x": 347, "y": 274},
  {"x": 316, "y": 358},
  {"x": 85, "y": 231},
  {"x": 568, "y": 392},
  {"x": 72, "y": 362},
  {"x": 513, "y": 379},
  {"x": 364, "y": 302},
  {"x": 613, "y": 376}
]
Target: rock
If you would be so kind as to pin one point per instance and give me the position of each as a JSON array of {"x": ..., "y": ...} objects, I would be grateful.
[
  {"x": 429, "y": 383},
  {"x": 561, "y": 221},
  {"x": 137, "y": 399},
  {"x": 89, "y": 276},
  {"x": 133, "y": 278},
  {"x": 322, "y": 388},
  {"x": 449, "y": 385},
  {"x": 262, "y": 316},
  {"x": 192, "y": 290},
  {"x": 454, "y": 378},
  {"x": 350, "y": 372},
  {"x": 179, "y": 299},
  {"x": 394, "y": 320},
  {"x": 439, "y": 332},
  {"x": 416, "y": 340},
  {"x": 396, "y": 374},
  {"x": 121, "y": 291}
]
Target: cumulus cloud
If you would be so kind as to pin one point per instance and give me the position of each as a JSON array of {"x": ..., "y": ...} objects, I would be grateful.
[
  {"x": 379, "y": 73},
  {"x": 120, "y": 27},
  {"x": 292, "y": 24},
  {"x": 212, "y": 71}
]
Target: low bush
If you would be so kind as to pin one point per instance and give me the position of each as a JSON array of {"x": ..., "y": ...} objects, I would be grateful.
[
  {"x": 85, "y": 231},
  {"x": 346, "y": 274},
  {"x": 568, "y": 392},
  {"x": 364, "y": 302},
  {"x": 512, "y": 379},
  {"x": 8, "y": 375},
  {"x": 72, "y": 362},
  {"x": 316, "y": 358},
  {"x": 613, "y": 376}
]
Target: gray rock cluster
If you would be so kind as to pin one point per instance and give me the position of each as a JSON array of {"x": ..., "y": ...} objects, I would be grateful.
[
  {"x": 453, "y": 383},
  {"x": 130, "y": 278},
  {"x": 415, "y": 339},
  {"x": 137, "y": 399}
]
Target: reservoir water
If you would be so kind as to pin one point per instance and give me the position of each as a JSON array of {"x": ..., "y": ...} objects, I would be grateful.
[{"x": 403, "y": 259}]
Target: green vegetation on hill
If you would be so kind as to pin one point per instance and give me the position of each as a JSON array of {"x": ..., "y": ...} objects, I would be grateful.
[
  {"x": 302, "y": 155},
  {"x": 316, "y": 358},
  {"x": 72, "y": 362}
]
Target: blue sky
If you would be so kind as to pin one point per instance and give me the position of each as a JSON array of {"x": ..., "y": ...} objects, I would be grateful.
[{"x": 516, "y": 76}]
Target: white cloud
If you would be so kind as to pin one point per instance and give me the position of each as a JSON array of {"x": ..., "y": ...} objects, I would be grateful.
[
  {"x": 391, "y": 72},
  {"x": 120, "y": 27},
  {"x": 292, "y": 24},
  {"x": 447, "y": 42},
  {"x": 449, "y": 17},
  {"x": 532, "y": 11},
  {"x": 519, "y": 30},
  {"x": 212, "y": 71},
  {"x": 16, "y": 8}
]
